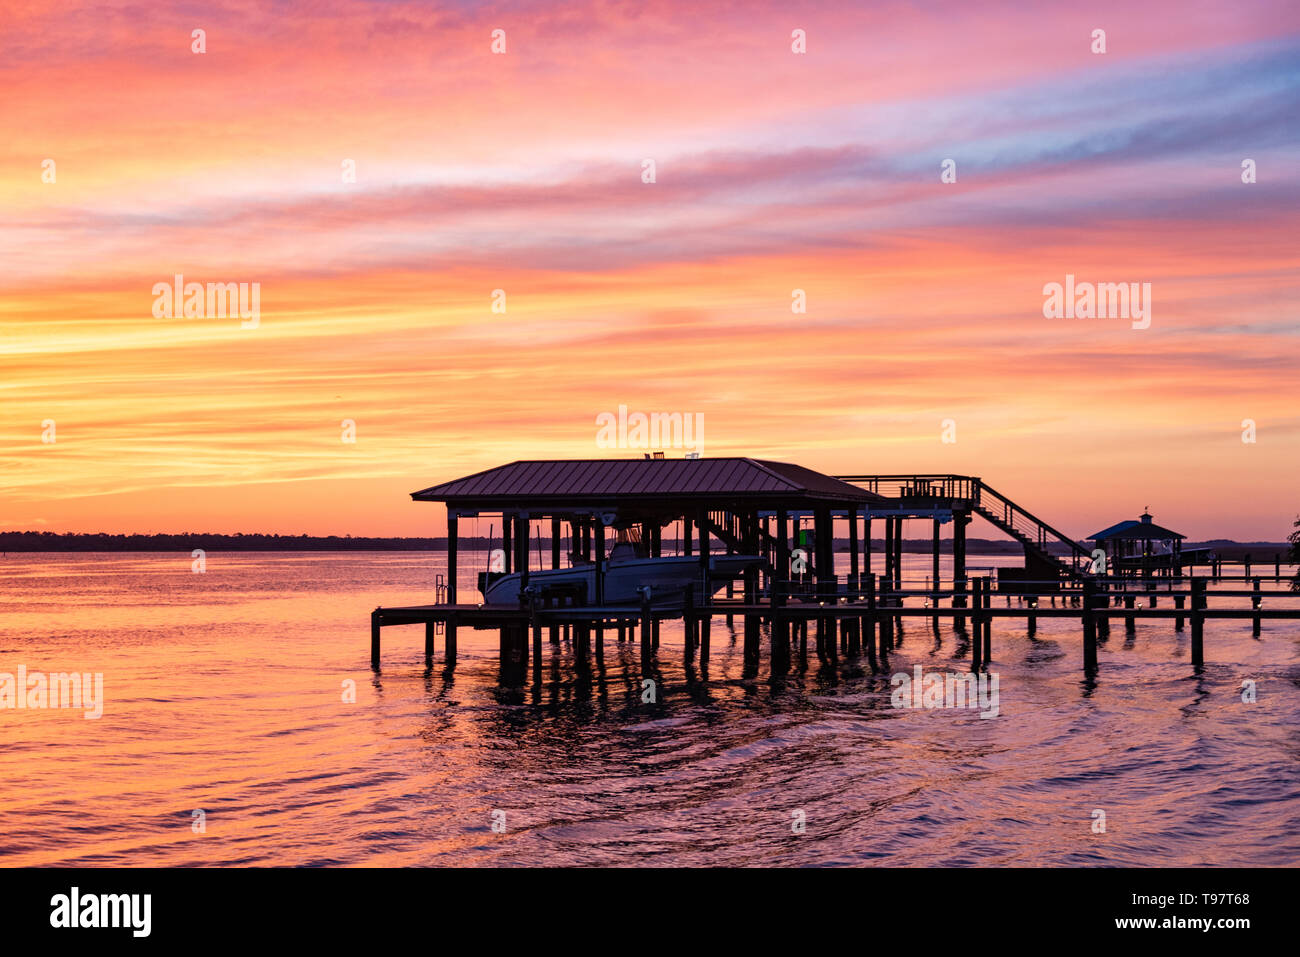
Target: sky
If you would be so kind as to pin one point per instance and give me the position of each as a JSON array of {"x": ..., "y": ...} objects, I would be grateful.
[{"x": 499, "y": 272}]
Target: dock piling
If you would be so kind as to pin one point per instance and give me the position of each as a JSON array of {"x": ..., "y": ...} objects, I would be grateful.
[
  {"x": 1089, "y": 625},
  {"x": 1199, "y": 603}
]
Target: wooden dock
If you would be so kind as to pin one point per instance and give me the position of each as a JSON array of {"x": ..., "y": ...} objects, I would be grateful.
[
  {"x": 786, "y": 517},
  {"x": 858, "y": 622}
]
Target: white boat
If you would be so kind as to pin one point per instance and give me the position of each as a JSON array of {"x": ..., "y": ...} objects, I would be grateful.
[{"x": 627, "y": 571}]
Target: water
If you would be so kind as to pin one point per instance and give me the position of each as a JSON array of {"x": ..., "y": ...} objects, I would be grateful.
[{"x": 224, "y": 694}]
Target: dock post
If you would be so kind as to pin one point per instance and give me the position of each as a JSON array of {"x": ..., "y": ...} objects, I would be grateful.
[
  {"x": 988, "y": 620},
  {"x": 832, "y": 622},
  {"x": 934, "y": 557},
  {"x": 850, "y": 627},
  {"x": 898, "y": 558},
  {"x": 1255, "y": 602},
  {"x": 1103, "y": 602},
  {"x": 449, "y": 644},
  {"x": 1178, "y": 622},
  {"x": 889, "y": 553},
  {"x": 1089, "y": 625},
  {"x": 688, "y": 615},
  {"x": 866, "y": 540},
  {"x": 977, "y": 625},
  {"x": 429, "y": 628},
  {"x": 702, "y": 639},
  {"x": 959, "y": 520},
  {"x": 646, "y": 629},
  {"x": 869, "y": 619},
  {"x": 537, "y": 632},
  {"x": 375, "y": 622},
  {"x": 777, "y": 595},
  {"x": 886, "y": 623},
  {"x": 554, "y": 632},
  {"x": 1130, "y": 625},
  {"x": 752, "y": 639},
  {"x": 1199, "y": 602},
  {"x": 753, "y": 629}
]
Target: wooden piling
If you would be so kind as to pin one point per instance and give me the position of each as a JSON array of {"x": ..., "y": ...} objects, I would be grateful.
[
  {"x": 1255, "y": 602},
  {"x": 1199, "y": 603},
  {"x": 1089, "y": 625},
  {"x": 537, "y": 644},
  {"x": 934, "y": 562},
  {"x": 646, "y": 631},
  {"x": 375, "y": 621},
  {"x": 959, "y": 520},
  {"x": 869, "y": 621},
  {"x": 988, "y": 621}
]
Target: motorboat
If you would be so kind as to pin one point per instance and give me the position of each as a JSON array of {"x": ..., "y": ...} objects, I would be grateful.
[{"x": 627, "y": 571}]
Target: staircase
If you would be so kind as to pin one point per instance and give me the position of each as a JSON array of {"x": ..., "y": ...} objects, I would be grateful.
[
  {"x": 1032, "y": 532},
  {"x": 961, "y": 492}
]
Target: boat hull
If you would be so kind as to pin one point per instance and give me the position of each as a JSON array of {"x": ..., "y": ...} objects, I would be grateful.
[{"x": 667, "y": 578}]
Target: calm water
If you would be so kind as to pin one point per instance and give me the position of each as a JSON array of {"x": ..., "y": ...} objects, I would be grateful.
[{"x": 224, "y": 694}]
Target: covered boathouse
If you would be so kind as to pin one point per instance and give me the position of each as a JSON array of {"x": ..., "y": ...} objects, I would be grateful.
[{"x": 745, "y": 506}]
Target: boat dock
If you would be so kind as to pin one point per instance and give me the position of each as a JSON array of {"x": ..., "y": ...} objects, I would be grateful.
[{"x": 787, "y": 517}]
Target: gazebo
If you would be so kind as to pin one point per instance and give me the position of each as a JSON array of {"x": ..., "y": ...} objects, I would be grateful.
[{"x": 1140, "y": 548}]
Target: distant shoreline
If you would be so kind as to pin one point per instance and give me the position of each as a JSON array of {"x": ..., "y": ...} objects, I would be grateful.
[{"x": 81, "y": 542}]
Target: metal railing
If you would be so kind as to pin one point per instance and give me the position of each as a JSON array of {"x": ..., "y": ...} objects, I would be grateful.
[{"x": 963, "y": 487}]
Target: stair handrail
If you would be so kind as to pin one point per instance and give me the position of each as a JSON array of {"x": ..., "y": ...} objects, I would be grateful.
[{"x": 1079, "y": 552}]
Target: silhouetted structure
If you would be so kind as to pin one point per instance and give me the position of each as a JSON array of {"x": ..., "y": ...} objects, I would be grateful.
[
  {"x": 743, "y": 520},
  {"x": 1140, "y": 548}
]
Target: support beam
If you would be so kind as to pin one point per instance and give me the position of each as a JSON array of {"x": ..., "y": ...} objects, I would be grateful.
[
  {"x": 934, "y": 562},
  {"x": 854, "y": 569},
  {"x": 866, "y": 542},
  {"x": 1199, "y": 603},
  {"x": 1089, "y": 625},
  {"x": 453, "y": 522},
  {"x": 959, "y": 520},
  {"x": 600, "y": 563}
]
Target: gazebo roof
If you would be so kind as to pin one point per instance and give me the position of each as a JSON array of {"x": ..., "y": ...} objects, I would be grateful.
[{"x": 1141, "y": 529}]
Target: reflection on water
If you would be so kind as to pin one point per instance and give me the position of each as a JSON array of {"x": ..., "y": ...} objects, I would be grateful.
[{"x": 225, "y": 692}]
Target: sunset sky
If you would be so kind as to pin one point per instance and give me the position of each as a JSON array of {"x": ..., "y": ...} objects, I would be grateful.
[{"x": 523, "y": 171}]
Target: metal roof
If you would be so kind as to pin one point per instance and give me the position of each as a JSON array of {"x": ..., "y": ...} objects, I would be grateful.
[
  {"x": 1134, "y": 529},
  {"x": 610, "y": 480}
]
